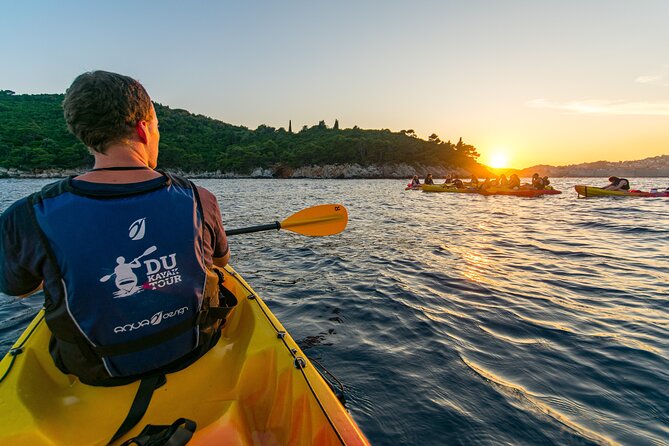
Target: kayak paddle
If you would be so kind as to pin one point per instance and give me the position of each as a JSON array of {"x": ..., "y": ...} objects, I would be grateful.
[{"x": 320, "y": 220}]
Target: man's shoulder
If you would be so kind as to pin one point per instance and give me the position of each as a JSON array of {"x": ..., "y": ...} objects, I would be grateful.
[
  {"x": 50, "y": 190},
  {"x": 206, "y": 196},
  {"x": 177, "y": 179},
  {"x": 16, "y": 208}
]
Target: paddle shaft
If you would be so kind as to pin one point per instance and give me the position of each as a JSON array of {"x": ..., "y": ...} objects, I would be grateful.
[{"x": 276, "y": 225}]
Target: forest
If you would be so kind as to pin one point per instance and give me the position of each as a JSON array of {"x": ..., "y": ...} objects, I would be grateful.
[{"x": 34, "y": 137}]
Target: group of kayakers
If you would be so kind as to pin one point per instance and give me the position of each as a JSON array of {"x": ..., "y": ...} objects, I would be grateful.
[{"x": 512, "y": 182}]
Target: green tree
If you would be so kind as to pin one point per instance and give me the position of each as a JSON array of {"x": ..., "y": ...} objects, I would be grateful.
[{"x": 33, "y": 136}]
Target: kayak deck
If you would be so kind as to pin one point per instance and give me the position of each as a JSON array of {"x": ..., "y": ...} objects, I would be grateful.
[
  {"x": 246, "y": 390},
  {"x": 446, "y": 188},
  {"x": 591, "y": 191}
]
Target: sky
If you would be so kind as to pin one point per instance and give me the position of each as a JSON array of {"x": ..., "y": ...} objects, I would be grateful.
[{"x": 525, "y": 81}]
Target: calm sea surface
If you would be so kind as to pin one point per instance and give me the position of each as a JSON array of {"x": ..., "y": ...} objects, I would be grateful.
[{"x": 463, "y": 319}]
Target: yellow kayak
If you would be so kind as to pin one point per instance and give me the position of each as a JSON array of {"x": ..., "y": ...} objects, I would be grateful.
[
  {"x": 254, "y": 387},
  {"x": 448, "y": 188},
  {"x": 591, "y": 191}
]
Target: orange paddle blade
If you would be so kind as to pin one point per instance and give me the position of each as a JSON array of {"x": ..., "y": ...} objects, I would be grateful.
[{"x": 321, "y": 220}]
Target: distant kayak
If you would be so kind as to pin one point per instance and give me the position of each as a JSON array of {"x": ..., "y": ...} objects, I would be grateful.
[
  {"x": 590, "y": 191},
  {"x": 448, "y": 188},
  {"x": 518, "y": 192}
]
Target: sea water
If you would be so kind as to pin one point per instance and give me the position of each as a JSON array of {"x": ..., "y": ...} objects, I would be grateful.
[{"x": 459, "y": 318}]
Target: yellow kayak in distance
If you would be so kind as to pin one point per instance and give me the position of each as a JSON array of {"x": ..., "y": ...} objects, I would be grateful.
[
  {"x": 256, "y": 386},
  {"x": 590, "y": 191}
]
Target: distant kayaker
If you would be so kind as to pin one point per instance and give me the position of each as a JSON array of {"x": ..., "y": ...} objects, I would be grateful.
[
  {"x": 415, "y": 181},
  {"x": 617, "y": 184},
  {"x": 428, "y": 179},
  {"x": 537, "y": 182},
  {"x": 503, "y": 181},
  {"x": 69, "y": 235},
  {"x": 474, "y": 181},
  {"x": 514, "y": 182}
]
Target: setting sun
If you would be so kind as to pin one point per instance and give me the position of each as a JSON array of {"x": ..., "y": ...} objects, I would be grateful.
[{"x": 498, "y": 160}]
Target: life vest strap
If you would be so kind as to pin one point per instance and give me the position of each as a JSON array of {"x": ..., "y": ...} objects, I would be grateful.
[
  {"x": 178, "y": 433},
  {"x": 213, "y": 314},
  {"x": 139, "y": 404}
]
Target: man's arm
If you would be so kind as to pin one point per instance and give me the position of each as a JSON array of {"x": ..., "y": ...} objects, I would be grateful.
[
  {"x": 222, "y": 261},
  {"x": 20, "y": 253},
  {"x": 218, "y": 242}
]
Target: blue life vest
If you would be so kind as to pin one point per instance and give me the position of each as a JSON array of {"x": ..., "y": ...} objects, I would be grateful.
[{"x": 133, "y": 274}]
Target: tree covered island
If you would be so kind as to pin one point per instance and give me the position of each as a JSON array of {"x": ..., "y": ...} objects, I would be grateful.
[{"x": 34, "y": 139}]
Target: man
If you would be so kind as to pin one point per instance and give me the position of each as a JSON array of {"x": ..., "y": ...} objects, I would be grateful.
[
  {"x": 537, "y": 182},
  {"x": 616, "y": 183},
  {"x": 115, "y": 320}
]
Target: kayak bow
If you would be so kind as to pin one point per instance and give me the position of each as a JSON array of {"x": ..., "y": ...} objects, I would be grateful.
[{"x": 255, "y": 386}]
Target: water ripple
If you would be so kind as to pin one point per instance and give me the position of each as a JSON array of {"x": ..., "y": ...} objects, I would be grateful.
[{"x": 458, "y": 319}]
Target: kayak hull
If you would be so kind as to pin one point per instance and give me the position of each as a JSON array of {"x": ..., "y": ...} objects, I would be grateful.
[
  {"x": 489, "y": 191},
  {"x": 590, "y": 191},
  {"x": 519, "y": 192},
  {"x": 246, "y": 390},
  {"x": 443, "y": 188}
]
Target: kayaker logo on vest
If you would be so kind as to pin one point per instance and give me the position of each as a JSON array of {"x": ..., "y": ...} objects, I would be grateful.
[
  {"x": 160, "y": 272},
  {"x": 137, "y": 229}
]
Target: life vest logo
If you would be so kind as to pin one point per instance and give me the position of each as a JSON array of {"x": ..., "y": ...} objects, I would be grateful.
[
  {"x": 125, "y": 279},
  {"x": 137, "y": 229},
  {"x": 156, "y": 319},
  {"x": 160, "y": 272}
]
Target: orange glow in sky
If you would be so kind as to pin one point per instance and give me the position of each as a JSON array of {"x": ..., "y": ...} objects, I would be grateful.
[{"x": 498, "y": 159}]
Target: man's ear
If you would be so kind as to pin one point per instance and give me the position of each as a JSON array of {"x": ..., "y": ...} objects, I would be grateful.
[{"x": 141, "y": 131}]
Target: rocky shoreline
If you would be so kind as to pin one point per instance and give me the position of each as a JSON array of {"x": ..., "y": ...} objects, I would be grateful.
[
  {"x": 385, "y": 171},
  {"x": 330, "y": 171}
]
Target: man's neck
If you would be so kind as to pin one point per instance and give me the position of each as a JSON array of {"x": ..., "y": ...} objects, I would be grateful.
[{"x": 120, "y": 155}]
